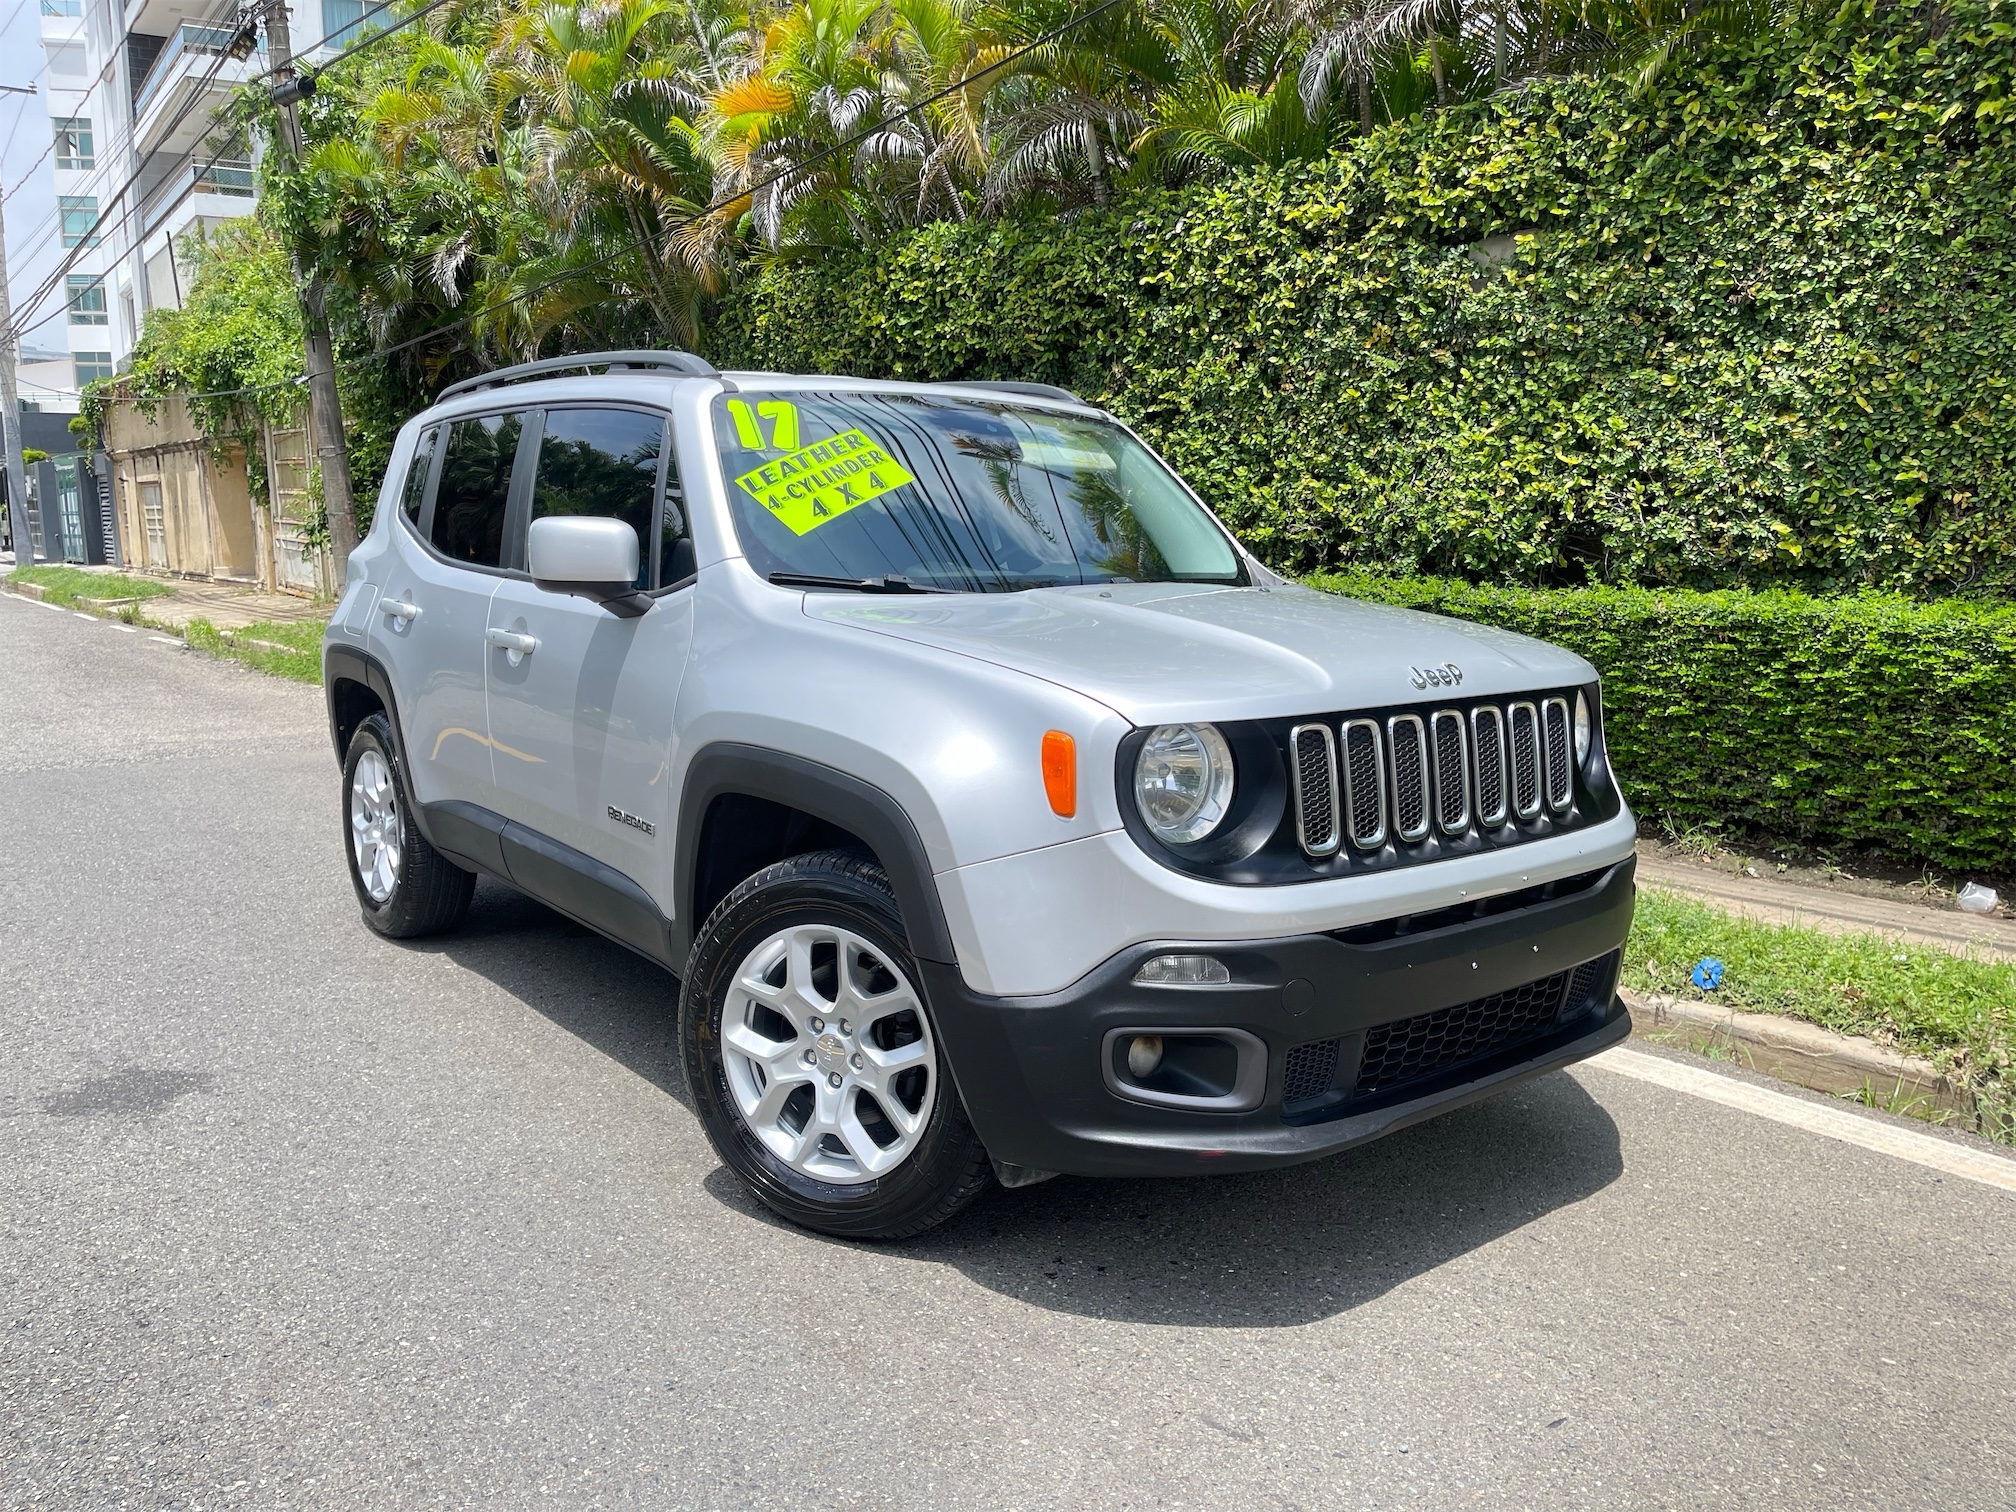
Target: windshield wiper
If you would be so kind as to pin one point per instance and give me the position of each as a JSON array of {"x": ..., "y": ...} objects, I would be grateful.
[{"x": 887, "y": 583}]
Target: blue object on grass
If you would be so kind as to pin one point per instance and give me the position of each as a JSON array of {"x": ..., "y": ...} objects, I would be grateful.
[{"x": 1708, "y": 973}]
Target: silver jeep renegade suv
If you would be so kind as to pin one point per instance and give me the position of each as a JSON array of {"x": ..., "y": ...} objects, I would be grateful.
[{"x": 998, "y": 814}]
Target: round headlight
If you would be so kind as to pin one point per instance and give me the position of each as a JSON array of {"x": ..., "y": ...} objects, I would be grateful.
[
  {"x": 1583, "y": 728},
  {"x": 1183, "y": 782}
]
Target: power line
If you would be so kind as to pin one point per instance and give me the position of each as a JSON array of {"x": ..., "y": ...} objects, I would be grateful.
[
  {"x": 624, "y": 251},
  {"x": 49, "y": 284},
  {"x": 98, "y": 227},
  {"x": 45, "y": 229},
  {"x": 16, "y": 128},
  {"x": 379, "y": 36}
]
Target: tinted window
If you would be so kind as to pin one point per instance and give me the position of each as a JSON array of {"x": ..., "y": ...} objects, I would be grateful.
[
  {"x": 975, "y": 495},
  {"x": 475, "y": 485},
  {"x": 675, "y": 542},
  {"x": 415, "y": 492},
  {"x": 601, "y": 462}
]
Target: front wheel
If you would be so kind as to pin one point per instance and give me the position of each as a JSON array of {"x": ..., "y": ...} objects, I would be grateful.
[{"x": 811, "y": 1056}]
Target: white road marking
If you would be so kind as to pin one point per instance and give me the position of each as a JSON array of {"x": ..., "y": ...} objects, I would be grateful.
[
  {"x": 115, "y": 625},
  {"x": 162, "y": 640},
  {"x": 44, "y": 604},
  {"x": 82, "y": 615},
  {"x": 1816, "y": 1118}
]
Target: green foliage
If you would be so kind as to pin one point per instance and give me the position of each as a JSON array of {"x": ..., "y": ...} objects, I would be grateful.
[
  {"x": 30, "y": 455},
  {"x": 1869, "y": 721},
  {"x": 1745, "y": 324},
  {"x": 239, "y": 327},
  {"x": 1958, "y": 1011},
  {"x": 289, "y": 649},
  {"x": 67, "y": 585}
]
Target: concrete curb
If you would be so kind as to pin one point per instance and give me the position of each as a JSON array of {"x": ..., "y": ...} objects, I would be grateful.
[
  {"x": 28, "y": 590},
  {"x": 1806, "y": 1055}
]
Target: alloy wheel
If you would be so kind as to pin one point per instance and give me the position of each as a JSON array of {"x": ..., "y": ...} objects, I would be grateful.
[
  {"x": 828, "y": 1054},
  {"x": 374, "y": 825}
]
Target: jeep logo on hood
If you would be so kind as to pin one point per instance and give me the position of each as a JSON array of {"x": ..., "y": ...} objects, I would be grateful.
[{"x": 1448, "y": 675}]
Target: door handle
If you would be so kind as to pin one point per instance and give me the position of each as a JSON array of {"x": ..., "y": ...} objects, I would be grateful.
[
  {"x": 400, "y": 609},
  {"x": 511, "y": 640}
]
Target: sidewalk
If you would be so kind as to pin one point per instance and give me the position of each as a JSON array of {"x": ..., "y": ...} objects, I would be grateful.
[
  {"x": 1771, "y": 901},
  {"x": 228, "y": 606}
]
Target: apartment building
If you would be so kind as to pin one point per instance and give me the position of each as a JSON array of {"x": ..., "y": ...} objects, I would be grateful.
[
  {"x": 134, "y": 91},
  {"x": 143, "y": 164}
]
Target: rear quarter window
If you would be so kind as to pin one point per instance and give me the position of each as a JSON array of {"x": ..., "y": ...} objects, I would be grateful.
[{"x": 414, "y": 492}]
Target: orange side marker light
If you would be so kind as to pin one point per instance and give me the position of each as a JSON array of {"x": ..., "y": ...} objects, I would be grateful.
[{"x": 1060, "y": 773}]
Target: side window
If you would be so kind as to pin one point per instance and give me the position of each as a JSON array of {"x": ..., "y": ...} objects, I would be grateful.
[
  {"x": 602, "y": 462},
  {"x": 475, "y": 487},
  {"x": 414, "y": 494}
]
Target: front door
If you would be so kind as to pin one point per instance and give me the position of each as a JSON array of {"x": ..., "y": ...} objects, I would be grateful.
[
  {"x": 429, "y": 622},
  {"x": 581, "y": 724},
  {"x": 154, "y": 521}
]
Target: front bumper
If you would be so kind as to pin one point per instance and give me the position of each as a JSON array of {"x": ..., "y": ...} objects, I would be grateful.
[{"x": 1036, "y": 1073}]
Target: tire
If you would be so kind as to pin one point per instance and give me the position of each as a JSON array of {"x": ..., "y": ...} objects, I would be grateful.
[
  {"x": 812, "y": 1058},
  {"x": 406, "y": 887}
]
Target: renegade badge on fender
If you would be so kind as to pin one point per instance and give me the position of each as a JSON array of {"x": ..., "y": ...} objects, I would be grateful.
[{"x": 998, "y": 814}]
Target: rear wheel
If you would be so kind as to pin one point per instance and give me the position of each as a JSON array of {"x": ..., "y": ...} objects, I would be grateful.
[
  {"x": 812, "y": 1059},
  {"x": 405, "y": 886}
]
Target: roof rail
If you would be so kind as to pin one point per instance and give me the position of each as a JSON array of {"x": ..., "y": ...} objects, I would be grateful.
[
  {"x": 615, "y": 362},
  {"x": 1036, "y": 390}
]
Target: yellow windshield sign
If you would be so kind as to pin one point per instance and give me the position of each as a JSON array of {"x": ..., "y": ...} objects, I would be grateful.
[{"x": 821, "y": 482}]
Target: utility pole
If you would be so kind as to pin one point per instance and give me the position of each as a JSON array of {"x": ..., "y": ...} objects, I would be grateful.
[
  {"x": 325, "y": 407},
  {"x": 10, "y": 397}
]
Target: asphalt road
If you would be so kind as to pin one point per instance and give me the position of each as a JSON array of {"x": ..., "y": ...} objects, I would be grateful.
[{"x": 291, "y": 1216}]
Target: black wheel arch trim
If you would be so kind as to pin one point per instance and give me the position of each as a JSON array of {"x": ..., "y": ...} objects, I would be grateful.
[
  {"x": 862, "y": 809},
  {"x": 348, "y": 664}
]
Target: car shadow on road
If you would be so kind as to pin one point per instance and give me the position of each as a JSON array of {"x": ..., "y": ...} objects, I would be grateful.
[
  {"x": 1286, "y": 1247},
  {"x": 1270, "y": 1249},
  {"x": 623, "y": 1005}
]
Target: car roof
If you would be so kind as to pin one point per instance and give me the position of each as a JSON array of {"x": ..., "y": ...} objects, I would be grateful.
[{"x": 657, "y": 387}]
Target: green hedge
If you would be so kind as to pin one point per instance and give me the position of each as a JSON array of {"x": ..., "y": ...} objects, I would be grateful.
[
  {"x": 1756, "y": 331},
  {"x": 1869, "y": 721}
]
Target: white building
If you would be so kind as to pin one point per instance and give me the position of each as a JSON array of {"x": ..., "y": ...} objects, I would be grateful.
[{"x": 134, "y": 90}]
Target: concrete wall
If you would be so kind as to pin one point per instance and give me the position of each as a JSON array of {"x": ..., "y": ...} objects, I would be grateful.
[{"x": 184, "y": 506}]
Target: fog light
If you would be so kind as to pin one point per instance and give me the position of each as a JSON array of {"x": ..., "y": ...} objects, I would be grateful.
[
  {"x": 1144, "y": 1054},
  {"x": 1183, "y": 971}
]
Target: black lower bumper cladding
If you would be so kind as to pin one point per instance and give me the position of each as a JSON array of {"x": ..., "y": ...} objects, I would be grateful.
[{"x": 1364, "y": 1032}]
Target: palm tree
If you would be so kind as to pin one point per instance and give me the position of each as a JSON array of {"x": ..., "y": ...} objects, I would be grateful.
[
  {"x": 1077, "y": 102},
  {"x": 1235, "y": 102},
  {"x": 616, "y": 153}
]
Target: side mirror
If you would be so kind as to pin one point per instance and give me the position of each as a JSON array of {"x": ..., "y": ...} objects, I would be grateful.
[{"x": 592, "y": 556}]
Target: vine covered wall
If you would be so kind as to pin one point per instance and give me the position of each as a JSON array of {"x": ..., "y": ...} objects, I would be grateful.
[{"x": 1753, "y": 327}]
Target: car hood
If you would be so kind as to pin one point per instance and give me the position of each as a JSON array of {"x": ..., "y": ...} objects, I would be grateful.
[{"x": 1160, "y": 652}]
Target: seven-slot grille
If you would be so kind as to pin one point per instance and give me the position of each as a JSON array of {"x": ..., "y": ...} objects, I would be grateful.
[{"x": 1408, "y": 776}]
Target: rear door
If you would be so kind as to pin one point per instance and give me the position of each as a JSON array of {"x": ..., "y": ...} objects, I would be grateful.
[
  {"x": 581, "y": 725},
  {"x": 449, "y": 553}
]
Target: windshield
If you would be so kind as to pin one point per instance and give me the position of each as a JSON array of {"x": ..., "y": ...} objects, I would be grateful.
[{"x": 960, "y": 494}]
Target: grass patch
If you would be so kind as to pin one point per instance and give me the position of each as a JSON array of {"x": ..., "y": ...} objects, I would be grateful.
[
  {"x": 290, "y": 649},
  {"x": 1958, "y": 1011},
  {"x": 66, "y": 585}
]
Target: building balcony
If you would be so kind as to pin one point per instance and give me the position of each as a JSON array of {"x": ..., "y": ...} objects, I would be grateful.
[
  {"x": 189, "y": 82},
  {"x": 219, "y": 191}
]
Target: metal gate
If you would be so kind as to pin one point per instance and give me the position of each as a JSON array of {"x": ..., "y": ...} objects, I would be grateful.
[
  {"x": 297, "y": 562},
  {"x": 155, "y": 521}
]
